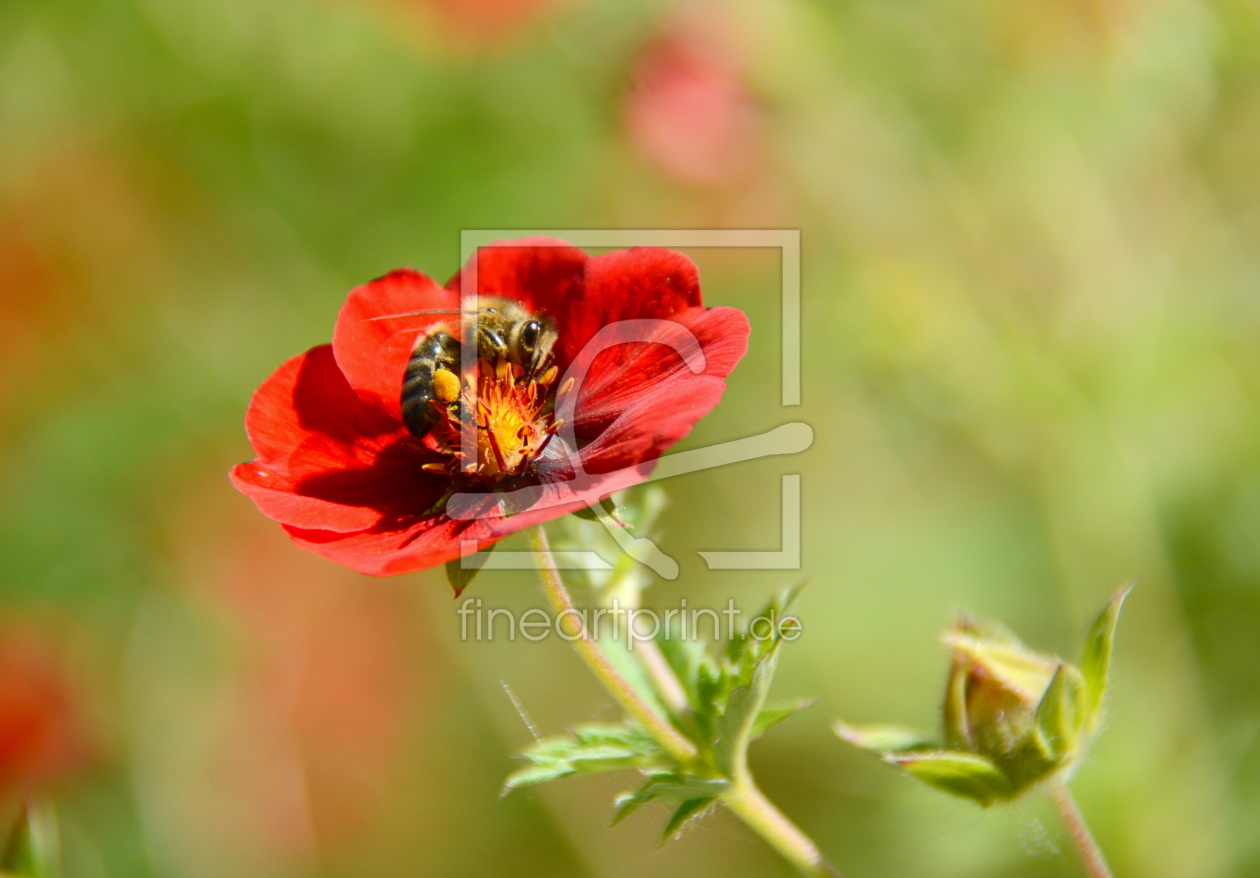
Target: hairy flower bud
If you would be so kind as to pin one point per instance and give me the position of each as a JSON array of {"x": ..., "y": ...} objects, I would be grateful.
[{"x": 1012, "y": 717}]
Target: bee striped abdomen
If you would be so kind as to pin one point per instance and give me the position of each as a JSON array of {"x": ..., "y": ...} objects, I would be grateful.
[{"x": 422, "y": 402}]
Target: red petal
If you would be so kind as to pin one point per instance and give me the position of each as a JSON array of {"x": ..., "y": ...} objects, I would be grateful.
[
  {"x": 654, "y": 422},
  {"x": 326, "y": 458},
  {"x": 621, "y": 376},
  {"x": 544, "y": 274},
  {"x": 393, "y": 548},
  {"x": 635, "y": 284},
  {"x": 389, "y": 551},
  {"x": 283, "y": 505},
  {"x": 583, "y": 294},
  {"x": 373, "y": 352}
]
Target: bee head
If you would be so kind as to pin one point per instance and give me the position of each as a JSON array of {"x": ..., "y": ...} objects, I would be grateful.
[{"x": 531, "y": 343}]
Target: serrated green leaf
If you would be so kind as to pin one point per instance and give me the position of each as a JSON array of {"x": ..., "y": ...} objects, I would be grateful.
[
  {"x": 731, "y": 729},
  {"x": 1061, "y": 713},
  {"x": 685, "y": 657},
  {"x": 684, "y": 813},
  {"x": 1096, "y": 662},
  {"x": 710, "y": 683},
  {"x": 744, "y": 642},
  {"x": 672, "y": 787},
  {"x": 536, "y": 774},
  {"x": 569, "y": 749},
  {"x": 961, "y": 774},
  {"x": 769, "y": 717},
  {"x": 627, "y": 803},
  {"x": 882, "y": 738},
  {"x": 627, "y": 734},
  {"x": 591, "y": 758},
  {"x": 589, "y": 749}
]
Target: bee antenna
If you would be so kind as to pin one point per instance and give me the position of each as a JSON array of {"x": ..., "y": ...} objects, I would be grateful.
[{"x": 416, "y": 313}]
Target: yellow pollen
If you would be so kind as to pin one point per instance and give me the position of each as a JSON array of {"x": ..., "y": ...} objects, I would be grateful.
[
  {"x": 507, "y": 415},
  {"x": 446, "y": 385}
]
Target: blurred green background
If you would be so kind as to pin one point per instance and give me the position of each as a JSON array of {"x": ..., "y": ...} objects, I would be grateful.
[{"x": 1031, "y": 277}]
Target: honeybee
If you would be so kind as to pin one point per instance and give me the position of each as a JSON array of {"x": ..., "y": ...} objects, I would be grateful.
[{"x": 508, "y": 335}]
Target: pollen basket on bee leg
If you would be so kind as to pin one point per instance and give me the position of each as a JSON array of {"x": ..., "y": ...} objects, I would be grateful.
[
  {"x": 494, "y": 421},
  {"x": 446, "y": 385}
]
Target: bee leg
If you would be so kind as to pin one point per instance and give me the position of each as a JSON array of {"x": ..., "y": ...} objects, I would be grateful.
[{"x": 424, "y": 391}]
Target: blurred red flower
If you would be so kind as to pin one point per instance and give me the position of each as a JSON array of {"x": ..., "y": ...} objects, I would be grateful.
[
  {"x": 41, "y": 733},
  {"x": 638, "y": 360},
  {"x": 485, "y": 21},
  {"x": 689, "y": 109}
]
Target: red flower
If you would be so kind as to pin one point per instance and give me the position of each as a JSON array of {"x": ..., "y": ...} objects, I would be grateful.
[
  {"x": 690, "y": 110},
  {"x": 638, "y": 360},
  {"x": 41, "y": 736}
]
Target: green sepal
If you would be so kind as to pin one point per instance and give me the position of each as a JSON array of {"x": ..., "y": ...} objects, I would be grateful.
[
  {"x": 1096, "y": 662},
  {"x": 460, "y": 575},
  {"x": 643, "y": 506},
  {"x": 1061, "y": 715},
  {"x": 589, "y": 513},
  {"x": 954, "y": 712},
  {"x": 586, "y": 513},
  {"x": 966, "y": 775},
  {"x": 883, "y": 739},
  {"x": 31, "y": 848}
]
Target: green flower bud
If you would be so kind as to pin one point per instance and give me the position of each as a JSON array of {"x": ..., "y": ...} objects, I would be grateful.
[{"x": 1012, "y": 717}]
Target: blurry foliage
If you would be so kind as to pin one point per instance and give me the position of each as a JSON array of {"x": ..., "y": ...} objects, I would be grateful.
[{"x": 1032, "y": 256}]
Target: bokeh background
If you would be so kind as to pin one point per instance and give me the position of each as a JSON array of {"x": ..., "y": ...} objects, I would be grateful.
[{"x": 1031, "y": 276}]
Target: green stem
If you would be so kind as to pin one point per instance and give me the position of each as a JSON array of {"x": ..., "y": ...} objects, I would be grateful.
[
  {"x": 657, "y": 726},
  {"x": 658, "y": 669},
  {"x": 1090, "y": 853},
  {"x": 750, "y": 804},
  {"x": 744, "y": 798}
]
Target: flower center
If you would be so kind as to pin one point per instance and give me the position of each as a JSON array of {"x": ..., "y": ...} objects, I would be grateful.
[{"x": 505, "y": 417}]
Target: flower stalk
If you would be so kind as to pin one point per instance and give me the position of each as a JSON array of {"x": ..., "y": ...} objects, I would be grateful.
[
  {"x": 749, "y": 803},
  {"x": 627, "y": 696},
  {"x": 1078, "y": 830},
  {"x": 742, "y": 796}
]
